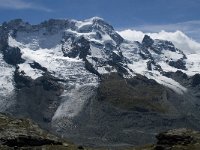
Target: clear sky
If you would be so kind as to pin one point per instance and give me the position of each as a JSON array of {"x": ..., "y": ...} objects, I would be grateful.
[{"x": 146, "y": 15}]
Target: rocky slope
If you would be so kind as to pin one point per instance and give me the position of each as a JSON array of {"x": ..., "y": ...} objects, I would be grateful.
[
  {"x": 83, "y": 81},
  {"x": 24, "y": 134}
]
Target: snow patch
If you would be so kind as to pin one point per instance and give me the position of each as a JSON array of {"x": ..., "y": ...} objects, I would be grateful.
[
  {"x": 140, "y": 68},
  {"x": 6, "y": 84},
  {"x": 74, "y": 101}
]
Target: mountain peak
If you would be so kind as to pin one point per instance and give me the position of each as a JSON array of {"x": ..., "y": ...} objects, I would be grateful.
[
  {"x": 15, "y": 23},
  {"x": 95, "y": 19},
  {"x": 147, "y": 41}
]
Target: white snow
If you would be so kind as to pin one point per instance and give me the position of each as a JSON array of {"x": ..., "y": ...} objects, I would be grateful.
[
  {"x": 97, "y": 52},
  {"x": 84, "y": 24},
  {"x": 38, "y": 39},
  {"x": 74, "y": 102},
  {"x": 72, "y": 70},
  {"x": 166, "y": 67},
  {"x": 140, "y": 68},
  {"x": 87, "y": 22},
  {"x": 45, "y": 48},
  {"x": 6, "y": 84},
  {"x": 193, "y": 64},
  {"x": 168, "y": 82},
  {"x": 172, "y": 55},
  {"x": 33, "y": 73},
  {"x": 53, "y": 59}
]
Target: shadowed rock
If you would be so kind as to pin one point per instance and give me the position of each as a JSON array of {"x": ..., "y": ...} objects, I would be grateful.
[{"x": 24, "y": 134}]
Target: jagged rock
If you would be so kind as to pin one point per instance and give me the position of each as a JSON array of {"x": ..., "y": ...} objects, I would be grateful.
[
  {"x": 21, "y": 80},
  {"x": 100, "y": 24},
  {"x": 53, "y": 25},
  {"x": 36, "y": 65},
  {"x": 149, "y": 65},
  {"x": 147, "y": 41},
  {"x": 177, "y": 74},
  {"x": 12, "y": 55},
  {"x": 117, "y": 58},
  {"x": 49, "y": 83},
  {"x": 195, "y": 80},
  {"x": 160, "y": 45},
  {"x": 90, "y": 68},
  {"x": 179, "y": 64},
  {"x": 80, "y": 47}
]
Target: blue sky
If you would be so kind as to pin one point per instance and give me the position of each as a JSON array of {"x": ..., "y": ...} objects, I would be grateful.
[{"x": 146, "y": 15}]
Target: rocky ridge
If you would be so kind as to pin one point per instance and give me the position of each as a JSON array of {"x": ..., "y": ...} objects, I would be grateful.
[{"x": 24, "y": 134}]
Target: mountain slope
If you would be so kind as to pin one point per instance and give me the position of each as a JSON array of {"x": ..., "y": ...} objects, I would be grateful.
[
  {"x": 82, "y": 80},
  {"x": 24, "y": 134}
]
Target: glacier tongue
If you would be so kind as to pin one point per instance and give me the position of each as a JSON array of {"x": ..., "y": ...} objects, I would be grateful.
[
  {"x": 73, "y": 101},
  {"x": 71, "y": 70},
  {"x": 6, "y": 85}
]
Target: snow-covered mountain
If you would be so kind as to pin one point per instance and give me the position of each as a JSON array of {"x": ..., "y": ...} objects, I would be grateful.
[
  {"x": 179, "y": 39},
  {"x": 56, "y": 72}
]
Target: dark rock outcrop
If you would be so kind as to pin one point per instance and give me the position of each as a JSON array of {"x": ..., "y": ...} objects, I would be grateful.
[
  {"x": 12, "y": 55},
  {"x": 47, "y": 81},
  {"x": 39, "y": 94},
  {"x": 195, "y": 80},
  {"x": 21, "y": 80},
  {"x": 50, "y": 83},
  {"x": 100, "y": 25},
  {"x": 164, "y": 45},
  {"x": 36, "y": 65},
  {"x": 80, "y": 47},
  {"x": 147, "y": 41},
  {"x": 179, "y": 64}
]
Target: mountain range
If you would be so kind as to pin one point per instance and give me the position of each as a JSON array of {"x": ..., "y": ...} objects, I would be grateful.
[{"x": 83, "y": 81}]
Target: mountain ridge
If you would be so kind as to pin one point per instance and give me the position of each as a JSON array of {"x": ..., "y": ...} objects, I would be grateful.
[{"x": 69, "y": 75}]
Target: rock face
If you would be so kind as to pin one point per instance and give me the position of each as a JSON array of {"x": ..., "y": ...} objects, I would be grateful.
[
  {"x": 195, "y": 80},
  {"x": 24, "y": 134},
  {"x": 147, "y": 41},
  {"x": 124, "y": 93},
  {"x": 12, "y": 55},
  {"x": 33, "y": 95}
]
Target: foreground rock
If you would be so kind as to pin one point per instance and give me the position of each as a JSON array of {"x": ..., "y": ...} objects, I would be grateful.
[
  {"x": 24, "y": 134},
  {"x": 177, "y": 139}
]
